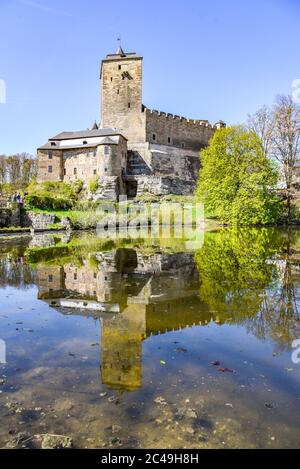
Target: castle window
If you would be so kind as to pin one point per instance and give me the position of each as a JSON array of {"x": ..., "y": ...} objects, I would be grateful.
[
  {"x": 153, "y": 137},
  {"x": 50, "y": 155},
  {"x": 84, "y": 142},
  {"x": 128, "y": 105},
  {"x": 110, "y": 78},
  {"x": 119, "y": 67},
  {"x": 106, "y": 150},
  {"x": 118, "y": 91},
  {"x": 75, "y": 171},
  {"x": 169, "y": 139},
  {"x": 94, "y": 153},
  {"x": 75, "y": 276},
  {"x": 65, "y": 171},
  {"x": 50, "y": 278},
  {"x": 182, "y": 145},
  {"x": 50, "y": 169},
  {"x": 95, "y": 275},
  {"x": 53, "y": 144},
  {"x": 105, "y": 169},
  {"x": 95, "y": 171}
]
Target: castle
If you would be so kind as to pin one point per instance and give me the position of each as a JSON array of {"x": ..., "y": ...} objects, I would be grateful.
[{"x": 134, "y": 149}]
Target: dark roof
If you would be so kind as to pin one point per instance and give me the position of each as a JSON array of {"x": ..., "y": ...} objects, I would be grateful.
[
  {"x": 108, "y": 141},
  {"x": 85, "y": 134},
  {"x": 48, "y": 146},
  {"x": 120, "y": 51},
  {"x": 123, "y": 56}
]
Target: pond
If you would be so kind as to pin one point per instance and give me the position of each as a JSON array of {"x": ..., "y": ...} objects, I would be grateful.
[{"x": 151, "y": 343}]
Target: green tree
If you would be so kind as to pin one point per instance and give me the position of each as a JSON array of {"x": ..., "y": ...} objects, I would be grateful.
[{"x": 237, "y": 182}]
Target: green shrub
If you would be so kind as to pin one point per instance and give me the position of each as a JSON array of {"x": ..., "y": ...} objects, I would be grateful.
[
  {"x": 93, "y": 184},
  {"x": 53, "y": 195},
  {"x": 77, "y": 186},
  {"x": 45, "y": 201}
]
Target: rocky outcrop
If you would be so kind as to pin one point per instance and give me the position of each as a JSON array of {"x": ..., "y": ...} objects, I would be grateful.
[
  {"x": 164, "y": 185},
  {"x": 108, "y": 189}
]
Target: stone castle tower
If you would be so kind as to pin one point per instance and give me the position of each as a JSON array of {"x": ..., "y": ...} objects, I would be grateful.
[
  {"x": 121, "y": 94},
  {"x": 134, "y": 150}
]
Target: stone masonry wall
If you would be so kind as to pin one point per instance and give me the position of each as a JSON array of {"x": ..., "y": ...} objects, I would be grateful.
[
  {"x": 162, "y": 160},
  {"x": 38, "y": 221},
  {"x": 50, "y": 166},
  {"x": 168, "y": 129},
  {"x": 121, "y": 96},
  {"x": 164, "y": 185}
]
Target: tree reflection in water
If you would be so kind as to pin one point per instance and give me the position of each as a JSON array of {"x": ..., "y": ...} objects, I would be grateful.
[{"x": 252, "y": 277}]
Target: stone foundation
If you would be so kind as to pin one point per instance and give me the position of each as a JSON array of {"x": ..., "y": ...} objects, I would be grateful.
[
  {"x": 38, "y": 221},
  {"x": 157, "y": 185}
]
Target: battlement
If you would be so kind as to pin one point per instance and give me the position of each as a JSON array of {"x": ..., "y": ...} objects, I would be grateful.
[{"x": 196, "y": 122}]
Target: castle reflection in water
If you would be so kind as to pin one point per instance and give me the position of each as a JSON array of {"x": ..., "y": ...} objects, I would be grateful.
[{"x": 134, "y": 296}]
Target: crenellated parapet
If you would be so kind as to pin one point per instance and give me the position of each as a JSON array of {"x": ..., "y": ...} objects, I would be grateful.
[{"x": 176, "y": 117}]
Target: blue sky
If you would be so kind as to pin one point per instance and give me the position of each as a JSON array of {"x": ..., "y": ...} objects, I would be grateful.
[{"x": 208, "y": 60}]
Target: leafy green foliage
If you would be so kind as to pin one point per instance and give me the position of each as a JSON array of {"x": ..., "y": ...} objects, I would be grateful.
[
  {"x": 53, "y": 195},
  {"x": 237, "y": 183},
  {"x": 93, "y": 184}
]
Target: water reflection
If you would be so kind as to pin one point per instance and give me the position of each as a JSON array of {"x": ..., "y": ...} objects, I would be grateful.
[
  {"x": 150, "y": 295},
  {"x": 247, "y": 277},
  {"x": 235, "y": 300}
]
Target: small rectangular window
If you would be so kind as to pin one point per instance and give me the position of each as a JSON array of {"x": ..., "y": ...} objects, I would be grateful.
[
  {"x": 119, "y": 67},
  {"x": 75, "y": 171},
  {"x": 183, "y": 145},
  {"x": 106, "y": 150},
  {"x": 169, "y": 139},
  {"x": 118, "y": 91},
  {"x": 65, "y": 172},
  {"x": 95, "y": 171},
  {"x": 50, "y": 278},
  {"x": 50, "y": 155},
  {"x": 105, "y": 169},
  {"x": 50, "y": 169},
  {"x": 153, "y": 137},
  {"x": 111, "y": 79},
  {"x": 128, "y": 105},
  {"x": 75, "y": 276}
]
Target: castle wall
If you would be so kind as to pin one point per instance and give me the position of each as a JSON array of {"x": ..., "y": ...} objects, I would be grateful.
[
  {"x": 162, "y": 160},
  {"x": 171, "y": 130},
  {"x": 45, "y": 164},
  {"x": 80, "y": 164},
  {"x": 112, "y": 162}
]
